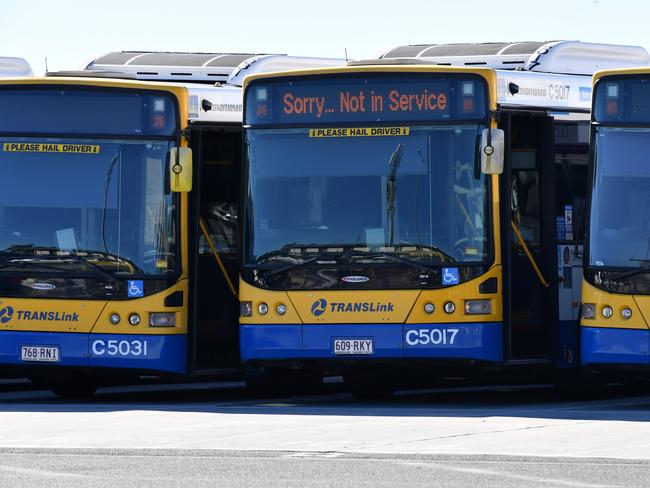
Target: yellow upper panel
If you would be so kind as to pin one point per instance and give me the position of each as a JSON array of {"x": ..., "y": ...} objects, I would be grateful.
[
  {"x": 83, "y": 316},
  {"x": 353, "y": 307},
  {"x": 639, "y": 305},
  {"x": 179, "y": 91},
  {"x": 32, "y": 314},
  {"x": 458, "y": 295},
  {"x": 371, "y": 306},
  {"x": 642, "y": 70},
  {"x": 489, "y": 74}
]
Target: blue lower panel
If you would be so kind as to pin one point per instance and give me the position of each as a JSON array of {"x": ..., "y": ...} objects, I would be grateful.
[
  {"x": 270, "y": 342},
  {"x": 483, "y": 341},
  {"x": 73, "y": 348},
  {"x": 616, "y": 346},
  {"x": 152, "y": 352},
  {"x": 568, "y": 346}
]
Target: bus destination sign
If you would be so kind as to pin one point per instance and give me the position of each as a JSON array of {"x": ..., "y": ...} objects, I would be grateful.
[{"x": 368, "y": 99}]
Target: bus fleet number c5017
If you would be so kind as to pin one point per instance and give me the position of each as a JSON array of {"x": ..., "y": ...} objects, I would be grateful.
[{"x": 431, "y": 337}]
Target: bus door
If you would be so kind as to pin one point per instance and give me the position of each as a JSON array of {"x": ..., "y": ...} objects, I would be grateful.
[
  {"x": 528, "y": 237},
  {"x": 571, "y": 168},
  {"x": 213, "y": 223}
]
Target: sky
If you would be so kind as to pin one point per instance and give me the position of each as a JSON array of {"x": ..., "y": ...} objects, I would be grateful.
[{"x": 70, "y": 33}]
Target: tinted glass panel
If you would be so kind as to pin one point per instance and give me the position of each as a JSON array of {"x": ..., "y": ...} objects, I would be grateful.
[
  {"x": 109, "y": 201},
  {"x": 622, "y": 100},
  {"x": 412, "y": 194},
  {"x": 620, "y": 207},
  {"x": 59, "y": 110}
]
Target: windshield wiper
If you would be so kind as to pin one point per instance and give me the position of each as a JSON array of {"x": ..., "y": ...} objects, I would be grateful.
[
  {"x": 107, "y": 187},
  {"x": 397, "y": 257},
  {"x": 292, "y": 265},
  {"x": 391, "y": 189},
  {"x": 95, "y": 267},
  {"x": 349, "y": 253},
  {"x": 430, "y": 247},
  {"x": 80, "y": 255},
  {"x": 629, "y": 274},
  {"x": 8, "y": 261},
  {"x": 10, "y": 258}
]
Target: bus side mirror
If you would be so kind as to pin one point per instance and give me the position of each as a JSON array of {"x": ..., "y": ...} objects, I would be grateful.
[
  {"x": 492, "y": 154},
  {"x": 180, "y": 169}
]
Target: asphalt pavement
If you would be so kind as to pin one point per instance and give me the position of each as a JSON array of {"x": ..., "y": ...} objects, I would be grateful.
[
  {"x": 156, "y": 469},
  {"x": 219, "y": 434}
]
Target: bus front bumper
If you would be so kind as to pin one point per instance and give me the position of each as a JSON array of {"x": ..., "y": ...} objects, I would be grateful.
[
  {"x": 475, "y": 341},
  {"x": 163, "y": 353},
  {"x": 599, "y": 345}
]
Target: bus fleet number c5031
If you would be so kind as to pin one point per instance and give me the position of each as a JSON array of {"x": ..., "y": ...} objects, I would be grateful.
[{"x": 117, "y": 347}]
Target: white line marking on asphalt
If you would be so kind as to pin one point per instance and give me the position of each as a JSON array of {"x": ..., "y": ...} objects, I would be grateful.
[
  {"x": 502, "y": 474},
  {"x": 39, "y": 472}
]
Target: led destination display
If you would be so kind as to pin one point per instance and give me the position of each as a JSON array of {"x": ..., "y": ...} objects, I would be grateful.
[{"x": 368, "y": 99}]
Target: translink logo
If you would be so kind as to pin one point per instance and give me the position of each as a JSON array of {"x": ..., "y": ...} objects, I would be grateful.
[
  {"x": 5, "y": 314},
  {"x": 320, "y": 306}
]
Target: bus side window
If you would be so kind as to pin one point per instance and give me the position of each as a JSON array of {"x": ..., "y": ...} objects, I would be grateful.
[{"x": 526, "y": 209}]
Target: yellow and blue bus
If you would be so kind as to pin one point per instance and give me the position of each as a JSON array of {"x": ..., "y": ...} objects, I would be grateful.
[
  {"x": 616, "y": 292},
  {"x": 118, "y": 218},
  {"x": 403, "y": 213}
]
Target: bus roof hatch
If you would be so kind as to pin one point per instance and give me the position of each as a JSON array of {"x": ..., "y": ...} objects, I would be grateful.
[{"x": 562, "y": 57}]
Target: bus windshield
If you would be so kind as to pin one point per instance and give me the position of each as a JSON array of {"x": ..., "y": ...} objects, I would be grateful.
[
  {"x": 397, "y": 194},
  {"x": 620, "y": 206},
  {"x": 88, "y": 197}
]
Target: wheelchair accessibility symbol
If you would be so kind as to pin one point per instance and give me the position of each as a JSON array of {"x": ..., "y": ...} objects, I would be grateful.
[
  {"x": 449, "y": 276},
  {"x": 135, "y": 288}
]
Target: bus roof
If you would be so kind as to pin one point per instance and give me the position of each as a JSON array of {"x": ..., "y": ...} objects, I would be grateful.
[
  {"x": 14, "y": 67},
  {"x": 170, "y": 66},
  {"x": 199, "y": 67},
  {"x": 560, "y": 57}
]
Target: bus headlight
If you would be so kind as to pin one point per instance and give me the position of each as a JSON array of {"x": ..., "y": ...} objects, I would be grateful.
[
  {"x": 626, "y": 313},
  {"x": 281, "y": 309},
  {"x": 115, "y": 318},
  {"x": 429, "y": 308},
  {"x": 450, "y": 307},
  {"x": 134, "y": 319},
  {"x": 162, "y": 319},
  {"x": 245, "y": 309},
  {"x": 263, "y": 308},
  {"x": 478, "y": 307},
  {"x": 607, "y": 311},
  {"x": 588, "y": 310}
]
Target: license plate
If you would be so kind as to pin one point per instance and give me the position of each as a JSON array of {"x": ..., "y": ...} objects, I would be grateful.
[
  {"x": 354, "y": 346},
  {"x": 46, "y": 354}
]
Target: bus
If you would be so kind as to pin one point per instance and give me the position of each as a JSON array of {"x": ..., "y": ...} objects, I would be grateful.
[
  {"x": 419, "y": 215},
  {"x": 616, "y": 302},
  {"x": 118, "y": 218}
]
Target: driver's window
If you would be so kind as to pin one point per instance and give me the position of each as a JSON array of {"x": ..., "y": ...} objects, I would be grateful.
[{"x": 525, "y": 197}]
